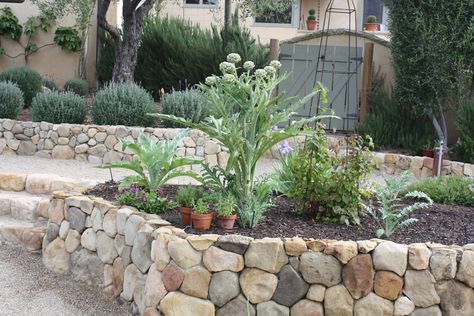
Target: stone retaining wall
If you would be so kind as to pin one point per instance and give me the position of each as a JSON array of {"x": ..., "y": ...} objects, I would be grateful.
[
  {"x": 162, "y": 270},
  {"x": 98, "y": 144},
  {"x": 94, "y": 143}
]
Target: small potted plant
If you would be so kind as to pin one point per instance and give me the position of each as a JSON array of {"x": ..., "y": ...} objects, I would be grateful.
[
  {"x": 186, "y": 198},
  {"x": 226, "y": 215},
  {"x": 202, "y": 217},
  {"x": 371, "y": 25},
  {"x": 311, "y": 21},
  {"x": 428, "y": 150}
]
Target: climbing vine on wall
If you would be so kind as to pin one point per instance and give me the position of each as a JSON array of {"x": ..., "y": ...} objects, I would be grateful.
[{"x": 66, "y": 37}]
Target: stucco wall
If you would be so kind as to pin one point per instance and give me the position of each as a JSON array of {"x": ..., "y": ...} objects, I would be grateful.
[
  {"x": 207, "y": 16},
  {"x": 50, "y": 61}
]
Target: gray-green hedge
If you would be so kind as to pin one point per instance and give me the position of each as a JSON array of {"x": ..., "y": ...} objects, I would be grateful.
[
  {"x": 58, "y": 107},
  {"x": 190, "y": 104},
  {"x": 27, "y": 79},
  {"x": 123, "y": 104},
  {"x": 78, "y": 86},
  {"x": 11, "y": 100}
]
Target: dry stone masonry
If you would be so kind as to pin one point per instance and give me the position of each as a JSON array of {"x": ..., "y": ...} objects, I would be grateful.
[
  {"x": 161, "y": 270},
  {"x": 98, "y": 144}
]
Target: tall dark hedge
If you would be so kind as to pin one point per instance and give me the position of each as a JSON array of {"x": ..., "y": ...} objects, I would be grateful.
[
  {"x": 429, "y": 51},
  {"x": 178, "y": 54}
]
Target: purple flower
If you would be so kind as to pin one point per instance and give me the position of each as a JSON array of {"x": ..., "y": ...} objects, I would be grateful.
[
  {"x": 284, "y": 147},
  {"x": 141, "y": 198},
  {"x": 159, "y": 191},
  {"x": 275, "y": 128},
  {"x": 133, "y": 188}
]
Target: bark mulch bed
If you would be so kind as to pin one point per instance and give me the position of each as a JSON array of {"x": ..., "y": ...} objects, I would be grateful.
[{"x": 445, "y": 224}]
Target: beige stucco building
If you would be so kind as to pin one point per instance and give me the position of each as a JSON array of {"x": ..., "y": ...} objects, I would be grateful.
[
  {"x": 280, "y": 26},
  {"x": 52, "y": 61}
]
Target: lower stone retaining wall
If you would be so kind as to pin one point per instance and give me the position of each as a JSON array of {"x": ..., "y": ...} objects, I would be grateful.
[
  {"x": 162, "y": 270},
  {"x": 98, "y": 144}
]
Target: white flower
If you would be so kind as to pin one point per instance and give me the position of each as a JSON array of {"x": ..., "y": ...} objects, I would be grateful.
[
  {"x": 275, "y": 64},
  {"x": 229, "y": 78},
  {"x": 233, "y": 58},
  {"x": 227, "y": 68},
  {"x": 270, "y": 70},
  {"x": 249, "y": 65},
  {"x": 260, "y": 73},
  {"x": 211, "y": 80}
]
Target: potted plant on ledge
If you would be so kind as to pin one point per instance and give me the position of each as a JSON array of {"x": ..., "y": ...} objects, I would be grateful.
[
  {"x": 226, "y": 215},
  {"x": 202, "y": 217},
  {"x": 311, "y": 21},
  {"x": 186, "y": 198},
  {"x": 371, "y": 25}
]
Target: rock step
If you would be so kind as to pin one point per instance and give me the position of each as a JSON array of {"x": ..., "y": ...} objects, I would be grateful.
[
  {"x": 22, "y": 232},
  {"x": 23, "y": 206}
]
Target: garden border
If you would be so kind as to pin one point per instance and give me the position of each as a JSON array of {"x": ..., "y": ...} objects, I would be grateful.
[
  {"x": 100, "y": 143},
  {"x": 156, "y": 267}
]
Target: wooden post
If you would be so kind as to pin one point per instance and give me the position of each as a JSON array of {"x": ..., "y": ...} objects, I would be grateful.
[
  {"x": 274, "y": 49},
  {"x": 274, "y": 55},
  {"x": 366, "y": 81}
]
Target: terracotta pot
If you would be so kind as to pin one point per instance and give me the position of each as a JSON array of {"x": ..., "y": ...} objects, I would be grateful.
[
  {"x": 185, "y": 212},
  {"x": 202, "y": 221},
  {"x": 226, "y": 222},
  {"x": 371, "y": 27},
  {"x": 311, "y": 24},
  {"x": 427, "y": 152}
]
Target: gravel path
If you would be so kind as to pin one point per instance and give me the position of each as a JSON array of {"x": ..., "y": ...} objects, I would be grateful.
[
  {"x": 27, "y": 288},
  {"x": 83, "y": 170}
]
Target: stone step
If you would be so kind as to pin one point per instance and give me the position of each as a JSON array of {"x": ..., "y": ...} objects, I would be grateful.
[
  {"x": 23, "y": 206},
  {"x": 23, "y": 232}
]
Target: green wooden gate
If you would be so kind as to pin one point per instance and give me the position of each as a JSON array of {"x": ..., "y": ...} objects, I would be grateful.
[{"x": 337, "y": 72}]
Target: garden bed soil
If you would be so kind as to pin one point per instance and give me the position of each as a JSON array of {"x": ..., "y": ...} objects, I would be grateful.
[{"x": 445, "y": 224}]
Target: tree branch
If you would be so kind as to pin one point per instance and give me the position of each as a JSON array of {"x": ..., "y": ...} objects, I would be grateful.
[{"x": 113, "y": 31}]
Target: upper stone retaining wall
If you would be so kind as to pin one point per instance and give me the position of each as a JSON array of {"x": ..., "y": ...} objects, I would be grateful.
[
  {"x": 93, "y": 143},
  {"x": 98, "y": 144},
  {"x": 162, "y": 269}
]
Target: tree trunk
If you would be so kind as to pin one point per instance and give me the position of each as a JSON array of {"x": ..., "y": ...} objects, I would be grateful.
[
  {"x": 127, "y": 44},
  {"x": 227, "y": 20}
]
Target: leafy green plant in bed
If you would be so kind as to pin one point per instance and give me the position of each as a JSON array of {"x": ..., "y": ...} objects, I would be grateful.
[
  {"x": 27, "y": 79},
  {"x": 323, "y": 184},
  {"x": 453, "y": 190},
  {"x": 187, "y": 196},
  {"x": 144, "y": 200},
  {"x": 154, "y": 163},
  {"x": 243, "y": 111},
  {"x": 391, "y": 213},
  {"x": 189, "y": 104}
]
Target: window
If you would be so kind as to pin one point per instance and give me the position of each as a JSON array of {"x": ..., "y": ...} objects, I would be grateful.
[
  {"x": 201, "y": 2},
  {"x": 270, "y": 15}
]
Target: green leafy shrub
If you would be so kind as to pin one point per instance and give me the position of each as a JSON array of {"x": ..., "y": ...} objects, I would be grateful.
[
  {"x": 49, "y": 83},
  {"x": 392, "y": 127},
  {"x": 187, "y": 196},
  {"x": 371, "y": 19},
  {"x": 323, "y": 184},
  {"x": 28, "y": 80},
  {"x": 123, "y": 104},
  {"x": 189, "y": 104},
  {"x": 390, "y": 215},
  {"x": 58, "y": 107},
  {"x": 105, "y": 65},
  {"x": 168, "y": 44},
  {"x": 142, "y": 199},
  {"x": 11, "y": 100},
  {"x": 154, "y": 163},
  {"x": 78, "y": 86},
  {"x": 68, "y": 38},
  {"x": 243, "y": 112},
  {"x": 465, "y": 126},
  {"x": 453, "y": 190}
]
